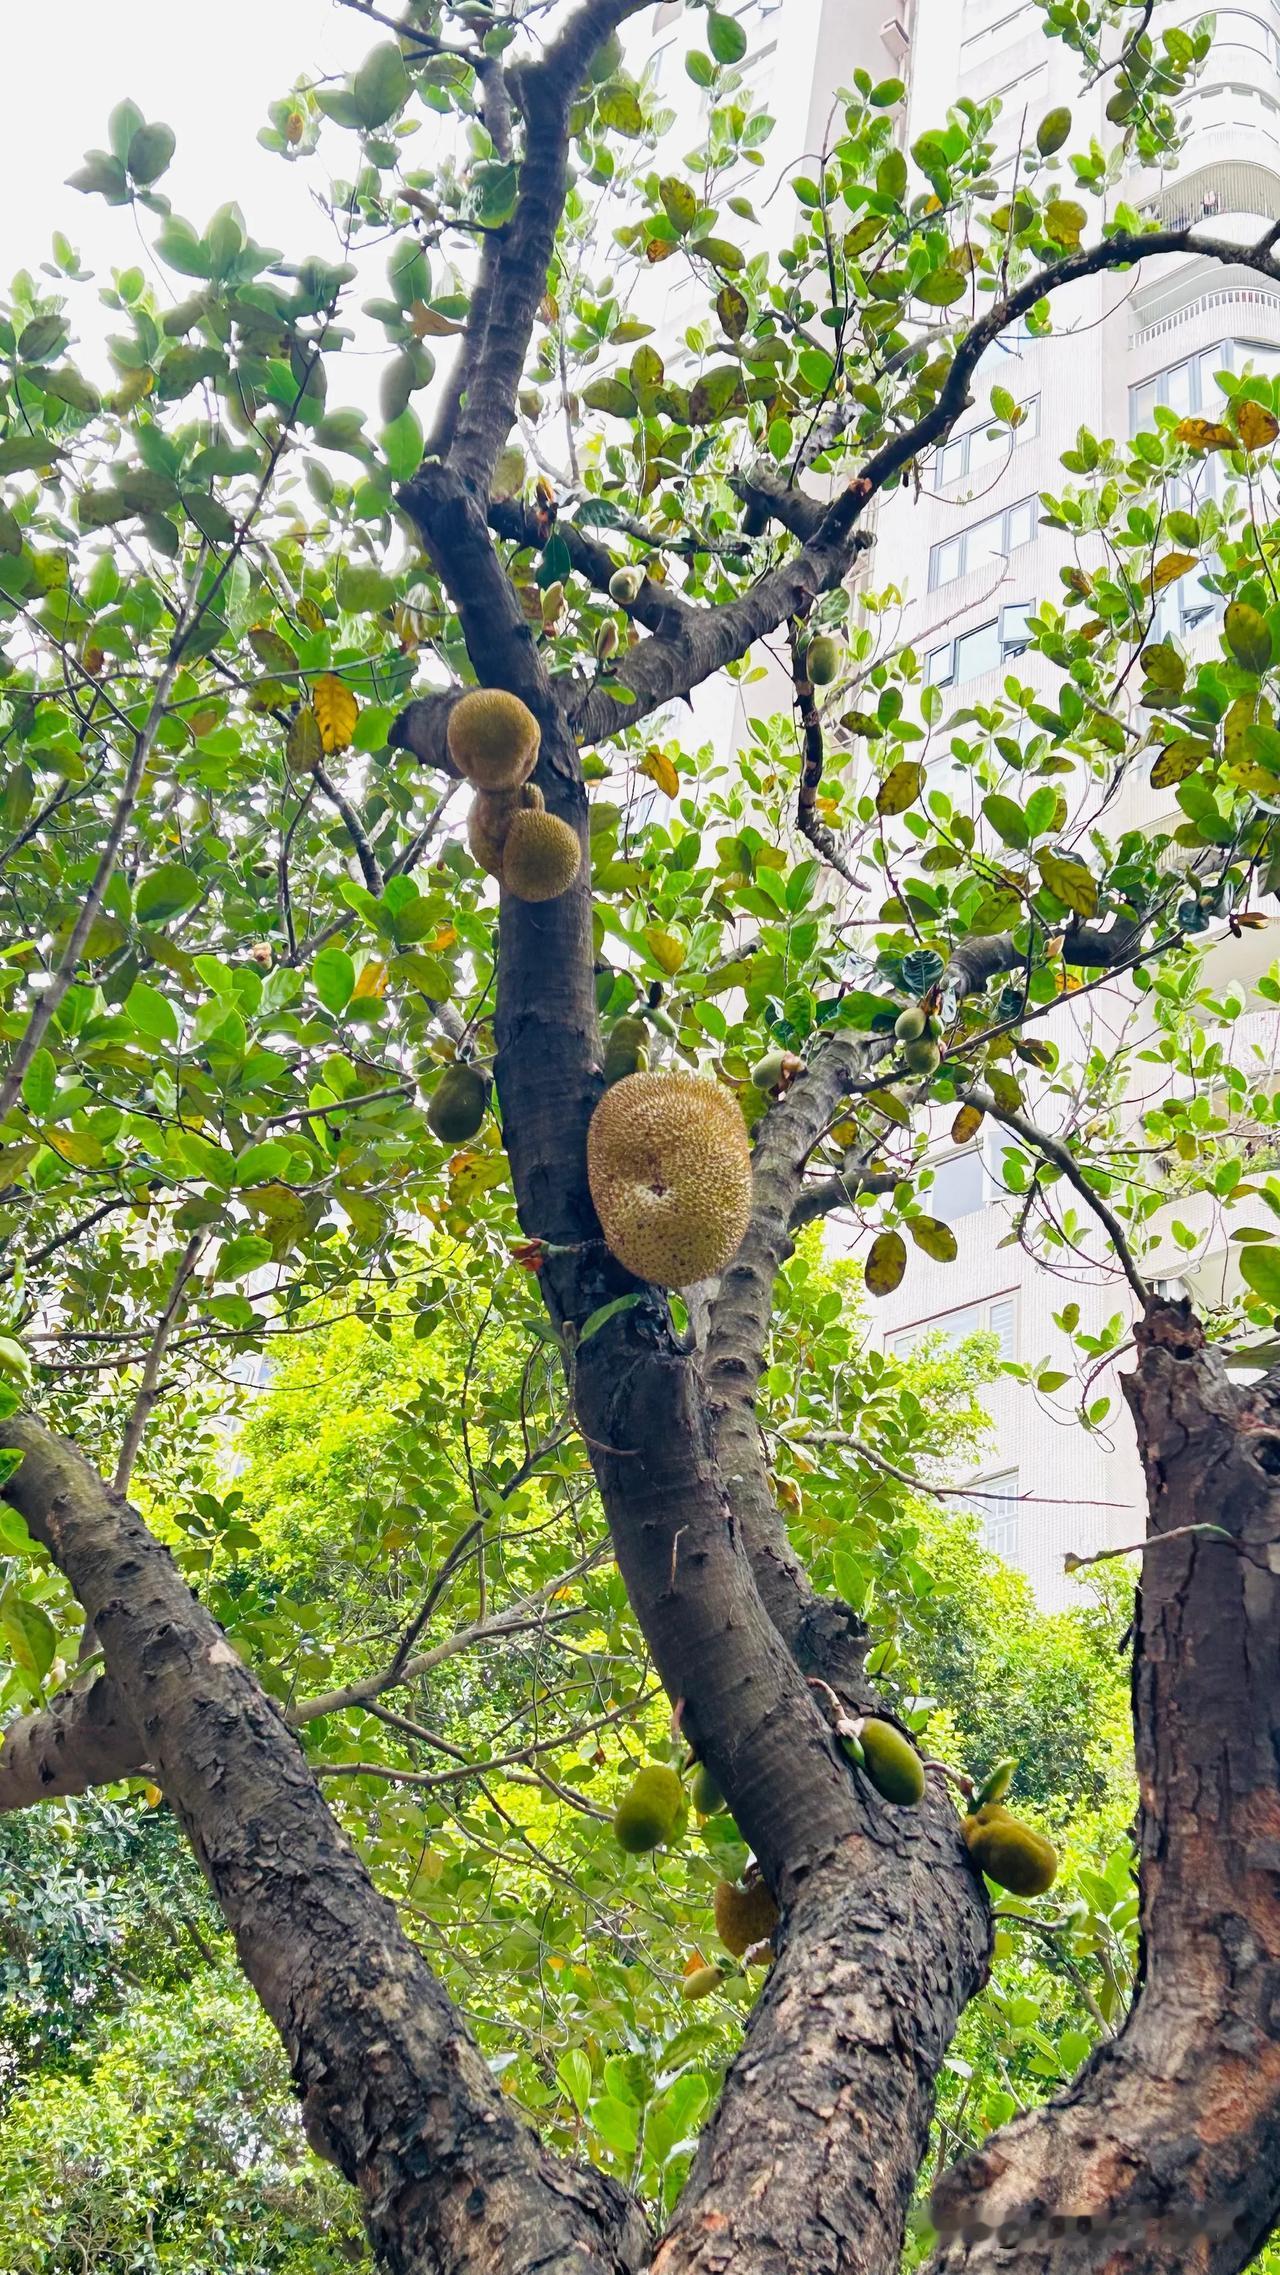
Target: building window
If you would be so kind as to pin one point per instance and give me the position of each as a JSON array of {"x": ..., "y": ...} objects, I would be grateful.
[
  {"x": 997, "y": 1316},
  {"x": 1190, "y": 389},
  {"x": 983, "y": 543},
  {"x": 959, "y": 1185},
  {"x": 983, "y": 447},
  {"x": 983, "y": 649},
  {"x": 995, "y": 1504}
]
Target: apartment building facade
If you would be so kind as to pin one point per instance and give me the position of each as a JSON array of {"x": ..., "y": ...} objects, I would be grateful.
[{"x": 973, "y": 559}]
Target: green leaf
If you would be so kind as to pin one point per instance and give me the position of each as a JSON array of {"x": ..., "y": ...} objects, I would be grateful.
[
  {"x": 1260, "y": 1269},
  {"x": 726, "y": 37},
  {"x": 333, "y": 975},
  {"x": 610, "y": 396},
  {"x": 1007, "y": 820},
  {"x": 402, "y": 444},
  {"x": 574, "y": 2072},
  {"x": 886, "y": 1263},
  {"x": 1053, "y": 130},
  {"x": 258, "y": 1164},
  {"x": 940, "y": 288},
  {"x": 900, "y": 788},
  {"x": 30, "y": 1634},
  {"x": 152, "y": 1013},
  {"x": 381, "y": 85},
  {"x": 891, "y": 175},
  {"x": 167, "y": 891},
  {"x": 39, "y": 1084},
  {"x": 606, "y": 1311},
  {"x": 678, "y": 202},
  {"x": 150, "y": 152},
  {"x": 1071, "y": 883},
  {"x": 715, "y": 393},
  {"x": 1248, "y": 635},
  {"x": 360, "y": 588}
]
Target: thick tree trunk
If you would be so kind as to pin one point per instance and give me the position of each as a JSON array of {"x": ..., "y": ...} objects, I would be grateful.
[
  {"x": 1165, "y": 2152},
  {"x": 393, "y": 2090}
]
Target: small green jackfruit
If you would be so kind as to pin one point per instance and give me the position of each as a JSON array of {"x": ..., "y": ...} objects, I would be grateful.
[
  {"x": 650, "y": 1810},
  {"x": 626, "y": 1048},
  {"x": 909, "y": 1025},
  {"x": 745, "y": 1914},
  {"x": 625, "y": 584},
  {"x": 892, "y": 1763},
  {"x": 493, "y": 738},
  {"x": 458, "y": 1104},
  {"x": 822, "y": 660},
  {"x": 700, "y": 1982},
  {"x": 708, "y": 1800},
  {"x": 1009, "y": 1852},
  {"x": 541, "y": 857},
  {"x": 923, "y": 1057}
]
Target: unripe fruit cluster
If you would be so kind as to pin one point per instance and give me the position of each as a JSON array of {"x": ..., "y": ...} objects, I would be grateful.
[{"x": 493, "y": 741}]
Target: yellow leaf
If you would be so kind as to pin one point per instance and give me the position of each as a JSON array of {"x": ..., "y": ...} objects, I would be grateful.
[
  {"x": 1258, "y": 426},
  {"x": 304, "y": 745},
  {"x": 1204, "y": 434},
  {"x": 667, "y": 952},
  {"x": 900, "y": 788},
  {"x": 80, "y": 1147},
  {"x": 1071, "y": 883},
  {"x": 660, "y": 769},
  {"x": 336, "y": 711},
  {"x": 1177, "y": 760},
  {"x": 153, "y": 1796},
  {"x": 428, "y": 324},
  {"x": 371, "y": 982},
  {"x": 935, "y": 1238},
  {"x": 309, "y": 613},
  {"x": 886, "y": 1263},
  {"x": 1168, "y": 569},
  {"x": 966, "y": 1124}
]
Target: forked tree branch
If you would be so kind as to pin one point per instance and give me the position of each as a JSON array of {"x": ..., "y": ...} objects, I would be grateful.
[{"x": 393, "y": 2090}]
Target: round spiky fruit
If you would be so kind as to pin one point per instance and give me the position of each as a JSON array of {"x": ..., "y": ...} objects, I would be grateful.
[
  {"x": 745, "y": 1914},
  {"x": 492, "y": 813},
  {"x": 457, "y": 1104},
  {"x": 910, "y": 1025},
  {"x": 822, "y": 660},
  {"x": 493, "y": 739},
  {"x": 1009, "y": 1852},
  {"x": 669, "y": 1167},
  {"x": 708, "y": 1800},
  {"x": 541, "y": 856},
  {"x": 650, "y": 1810},
  {"x": 892, "y": 1763}
]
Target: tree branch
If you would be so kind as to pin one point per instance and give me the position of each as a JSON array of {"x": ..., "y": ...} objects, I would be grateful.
[
  {"x": 1165, "y": 2145},
  {"x": 1055, "y": 1150},
  {"x": 393, "y": 2090}
]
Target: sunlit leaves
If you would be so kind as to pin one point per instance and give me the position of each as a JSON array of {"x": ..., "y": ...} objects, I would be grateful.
[{"x": 336, "y": 711}]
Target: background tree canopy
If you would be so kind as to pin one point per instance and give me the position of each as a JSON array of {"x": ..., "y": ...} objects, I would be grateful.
[{"x": 442, "y": 1523}]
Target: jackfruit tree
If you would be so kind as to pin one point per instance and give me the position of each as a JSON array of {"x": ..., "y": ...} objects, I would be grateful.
[{"x": 294, "y": 1032}]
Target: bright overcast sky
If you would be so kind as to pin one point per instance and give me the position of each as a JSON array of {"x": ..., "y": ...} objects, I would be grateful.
[{"x": 208, "y": 71}]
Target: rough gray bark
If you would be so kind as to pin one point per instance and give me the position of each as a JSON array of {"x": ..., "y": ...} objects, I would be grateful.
[
  {"x": 1165, "y": 2151},
  {"x": 392, "y": 2088}
]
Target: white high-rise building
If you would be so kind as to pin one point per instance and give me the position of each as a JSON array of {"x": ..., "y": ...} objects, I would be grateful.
[{"x": 972, "y": 558}]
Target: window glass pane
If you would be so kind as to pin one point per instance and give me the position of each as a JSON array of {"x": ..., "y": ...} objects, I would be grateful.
[
  {"x": 939, "y": 666},
  {"x": 1022, "y": 524},
  {"x": 945, "y": 561},
  {"x": 986, "y": 447},
  {"x": 985, "y": 543},
  {"x": 959, "y": 1186},
  {"x": 1178, "y": 389},
  {"x": 951, "y": 461},
  {"x": 1002, "y": 1321},
  {"x": 977, "y": 651},
  {"x": 1014, "y": 634},
  {"x": 1142, "y": 403},
  {"x": 995, "y": 1507}
]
